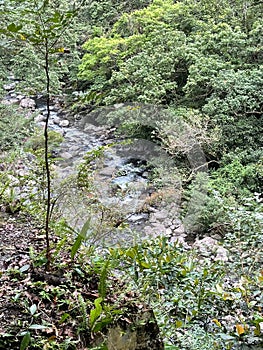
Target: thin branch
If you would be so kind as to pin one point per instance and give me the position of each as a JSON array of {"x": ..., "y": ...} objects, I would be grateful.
[{"x": 48, "y": 208}]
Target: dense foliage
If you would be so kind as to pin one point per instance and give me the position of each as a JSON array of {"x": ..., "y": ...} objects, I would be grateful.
[{"x": 198, "y": 67}]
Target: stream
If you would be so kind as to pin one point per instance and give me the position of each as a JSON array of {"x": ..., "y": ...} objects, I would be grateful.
[{"x": 126, "y": 208}]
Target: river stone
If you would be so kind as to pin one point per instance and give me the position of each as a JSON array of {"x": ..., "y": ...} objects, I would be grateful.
[
  {"x": 56, "y": 120},
  {"x": 93, "y": 128},
  {"x": 20, "y": 97},
  {"x": 168, "y": 231},
  {"x": 161, "y": 215},
  {"x": 40, "y": 118},
  {"x": 64, "y": 123},
  {"x": 179, "y": 230},
  {"x": 137, "y": 218},
  {"x": 10, "y": 101},
  {"x": 221, "y": 254},
  {"x": 28, "y": 103},
  {"x": 108, "y": 171},
  {"x": 66, "y": 155},
  {"x": 73, "y": 134},
  {"x": 180, "y": 240},
  {"x": 9, "y": 87},
  {"x": 210, "y": 246}
]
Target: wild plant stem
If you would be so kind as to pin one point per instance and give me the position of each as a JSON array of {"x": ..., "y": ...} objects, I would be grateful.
[{"x": 47, "y": 168}]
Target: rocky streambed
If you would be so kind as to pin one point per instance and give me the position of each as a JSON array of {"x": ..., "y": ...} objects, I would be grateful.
[
  {"x": 127, "y": 206},
  {"x": 121, "y": 181}
]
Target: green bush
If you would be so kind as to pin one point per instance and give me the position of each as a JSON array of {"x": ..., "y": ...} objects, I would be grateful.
[
  {"x": 15, "y": 127},
  {"x": 195, "y": 299}
]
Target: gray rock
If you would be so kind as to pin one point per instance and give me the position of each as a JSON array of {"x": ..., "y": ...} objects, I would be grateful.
[
  {"x": 20, "y": 97},
  {"x": 11, "y": 101},
  {"x": 180, "y": 240},
  {"x": 66, "y": 155},
  {"x": 11, "y": 77},
  {"x": 179, "y": 230},
  {"x": 40, "y": 118},
  {"x": 28, "y": 103},
  {"x": 137, "y": 217},
  {"x": 56, "y": 120},
  {"x": 160, "y": 215},
  {"x": 118, "y": 105},
  {"x": 206, "y": 244},
  {"x": 72, "y": 134},
  {"x": 177, "y": 222},
  {"x": 108, "y": 171},
  {"x": 52, "y": 114},
  {"x": 158, "y": 229},
  {"x": 93, "y": 128},
  {"x": 75, "y": 148},
  {"x": 64, "y": 123},
  {"x": 141, "y": 334},
  {"x": 210, "y": 246},
  {"x": 168, "y": 231},
  {"x": 221, "y": 254},
  {"x": 9, "y": 87}
]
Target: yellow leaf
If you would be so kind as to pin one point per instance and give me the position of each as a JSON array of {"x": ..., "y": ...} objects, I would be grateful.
[
  {"x": 61, "y": 49},
  {"x": 257, "y": 330},
  {"x": 216, "y": 322},
  {"x": 178, "y": 324},
  {"x": 240, "y": 329},
  {"x": 168, "y": 258},
  {"x": 260, "y": 278},
  {"x": 52, "y": 338},
  {"x": 22, "y": 37}
]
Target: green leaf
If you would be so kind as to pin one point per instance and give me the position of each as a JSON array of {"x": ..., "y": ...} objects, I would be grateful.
[
  {"x": 85, "y": 228},
  {"x": 64, "y": 317},
  {"x": 145, "y": 265},
  {"x": 102, "y": 284},
  {"x": 76, "y": 246},
  {"x": 37, "y": 326},
  {"x": 95, "y": 313},
  {"x": 33, "y": 309},
  {"x": 24, "y": 268},
  {"x": 14, "y": 28},
  {"x": 25, "y": 341},
  {"x": 102, "y": 324},
  {"x": 80, "y": 238}
]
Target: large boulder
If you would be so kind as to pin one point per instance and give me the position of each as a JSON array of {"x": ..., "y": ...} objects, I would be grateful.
[
  {"x": 28, "y": 103},
  {"x": 136, "y": 330}
]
